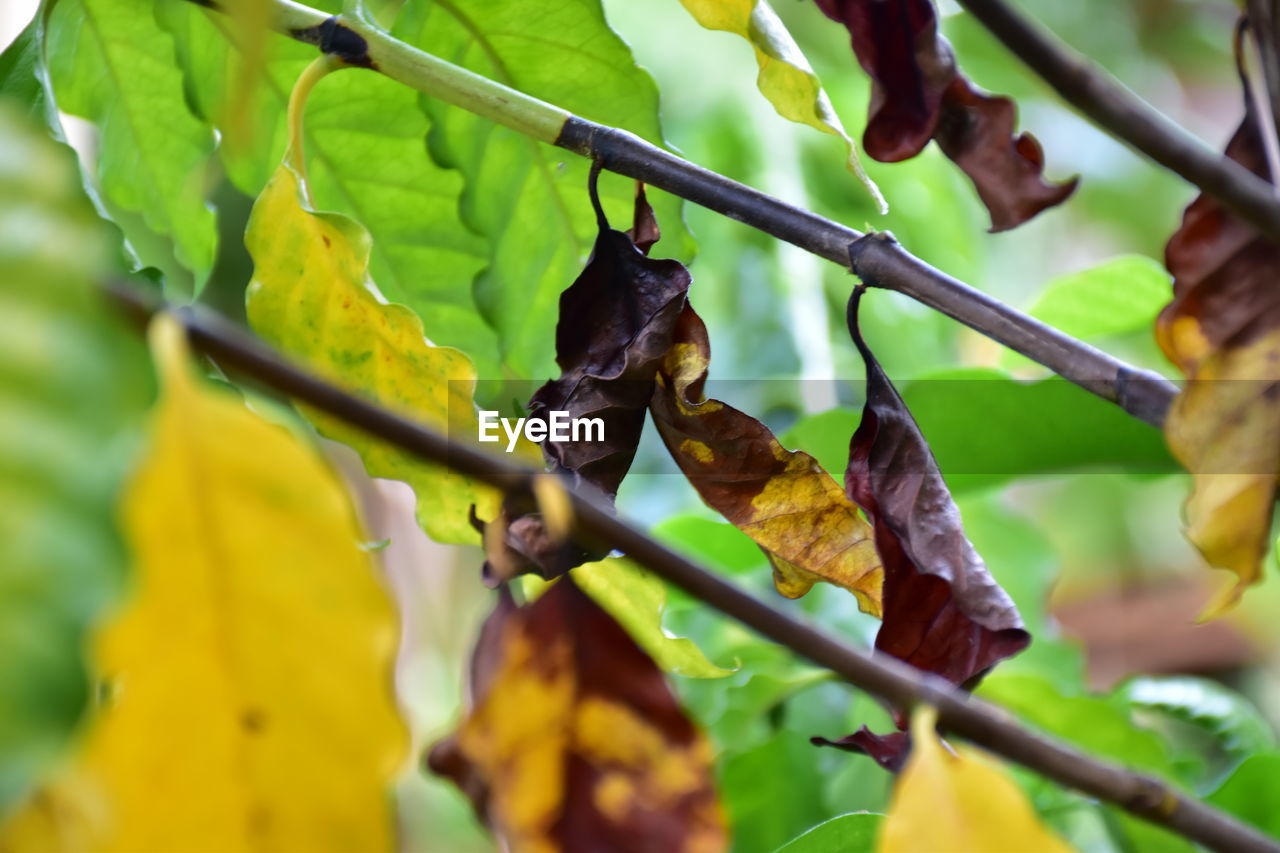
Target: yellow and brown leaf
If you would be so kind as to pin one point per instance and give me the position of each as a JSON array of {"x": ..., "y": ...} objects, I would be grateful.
[
  {"x": 1222, "y": 330},
  {"x": 574, "y": 741},
  {"x": 782, "y": 499}
]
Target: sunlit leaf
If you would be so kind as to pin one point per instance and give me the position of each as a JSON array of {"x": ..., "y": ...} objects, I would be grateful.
[
  {"x": 255, "y": 622},
  {"x": 311, "y": 296},
  {"x": 958, "y": 799},
  {"x": 574, "y": 741},
  {"x": 73, "y": 384},
  {"x": 524, "y": 196},
  {"x": 636, "y": 598},
  {"x": 1222, "y": 330},
  {"x": 785, "y": 78},
  {"x": 782, "y": 499},
  {"x": 110, "y": 62},
  {"x": 366, "y": 158},
  {"x": 1119, "y": 296},
  {"x": 919, "y": 94}
]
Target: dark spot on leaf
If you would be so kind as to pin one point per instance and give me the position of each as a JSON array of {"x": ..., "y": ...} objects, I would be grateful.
[{"x": 253, "y": 720}]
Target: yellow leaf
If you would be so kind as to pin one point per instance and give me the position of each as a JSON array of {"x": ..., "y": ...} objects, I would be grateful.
[
  {"x": 1225, "y": 429},
  {"x": 249, "y": 701},
  {"x": 786, "y": 79},
  {"x": 311, "y": 296},
  {"x": 958, "y": 802}
]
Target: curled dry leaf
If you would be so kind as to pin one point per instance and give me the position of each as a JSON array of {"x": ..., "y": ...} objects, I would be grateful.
[
  {"x": 616, "y": 322},
  {"x": 918, "y": 94},
  {"x": 615, "y": 325},
  {"x": 782, "y": 499},
  {"x": 1222, "y": 330},
  {"x": 574, "y": 741},
  {"x": 943, "y": 612}
]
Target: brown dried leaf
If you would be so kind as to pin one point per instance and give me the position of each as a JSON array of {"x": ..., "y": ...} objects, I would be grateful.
[
  {"x": 943, "y": 612},
  {"x": 782, "y": 499},
  {"x": 574, "y": 741},
  {"x": 918, "y": 94},
  {"x": 1222, "y": 329}
]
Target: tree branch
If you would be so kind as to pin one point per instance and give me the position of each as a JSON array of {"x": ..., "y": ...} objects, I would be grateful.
[
  {"x": 1129, "y": 119},
  {"x": 878, "y": 674},
  {"x": 881, "y": 263}
]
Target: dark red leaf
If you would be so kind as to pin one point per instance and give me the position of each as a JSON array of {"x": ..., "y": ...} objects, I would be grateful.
[
  {"x": 918, "y": 94},
  {"x": 943, "y": 612}
]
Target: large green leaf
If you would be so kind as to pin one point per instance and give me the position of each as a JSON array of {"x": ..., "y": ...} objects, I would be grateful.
[
  {"x": 848, "y": 833},
  {"x": 1121, "y": 295},
  {"x": 1252, "y": 791},
  {"x": 366, "y": 154},
  {"x": 527, "y": 198},
  {"x": 772, "y": 792},
  {"x": 986, "y": 428},
  {"x": 110, "y": 62},
  {"x": 72, "y": 383}
]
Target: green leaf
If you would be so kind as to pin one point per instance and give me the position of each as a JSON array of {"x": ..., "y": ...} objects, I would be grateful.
[
  {"x": 73, "y": 383},
  {"x": 1252, "y": 791},
  {"x": 848, "y": 833},
  {"x": 529, "y": 199},
  {"x": 714, "y": 542},
  {"x": 367, "y": 158},
  {"x": 636, "y": 599},
  {"x": 772, "y": 793},
  {"x": 986, "y": 428},
  {"x": 1231, "y": 721},
  {"x": 785, "y": 78},
  {"x": 110, "y": 62},
  {"x": 1117, "y": 297},
  {"x": 1096, "y": 725}
]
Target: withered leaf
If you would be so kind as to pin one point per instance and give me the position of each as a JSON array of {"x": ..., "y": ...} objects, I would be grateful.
[
  {"x": 574, "y": 741},
  {"x": 943, "y": 612},
  {"x": 782, "y": 499},
  {"x": 1222, "y": 330},
  {"x": 615, "y": 325},
  {"x": 918, "y": 94}
]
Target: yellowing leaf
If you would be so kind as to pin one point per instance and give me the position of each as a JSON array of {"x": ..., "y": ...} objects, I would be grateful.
[
  {"x": 1221, "y": 332},
  {"x": 782, "y": 499},
  {"x": 312, "y": 297},
  {"x": 1225, "y": 428},
  {"x": 785, "y": 78},
  {"x": 959, "y": 802},
  {"x": 249, "y": 701},
  {"x": 575, "y": 741}
]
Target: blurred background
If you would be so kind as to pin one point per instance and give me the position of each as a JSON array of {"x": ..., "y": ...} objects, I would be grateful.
[{"x": 1075, "y": 509}]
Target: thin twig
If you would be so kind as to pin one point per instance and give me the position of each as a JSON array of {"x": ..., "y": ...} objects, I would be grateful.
[
  {"x": 878, "y": 674},
  {"x": 1128, "y": 118},
  {"x": 884, "y": 264}
]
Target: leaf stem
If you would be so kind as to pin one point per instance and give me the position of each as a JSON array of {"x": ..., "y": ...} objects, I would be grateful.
[
  {"x": 881, "y": 675},
  {"x": 295, "y": 155}
]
